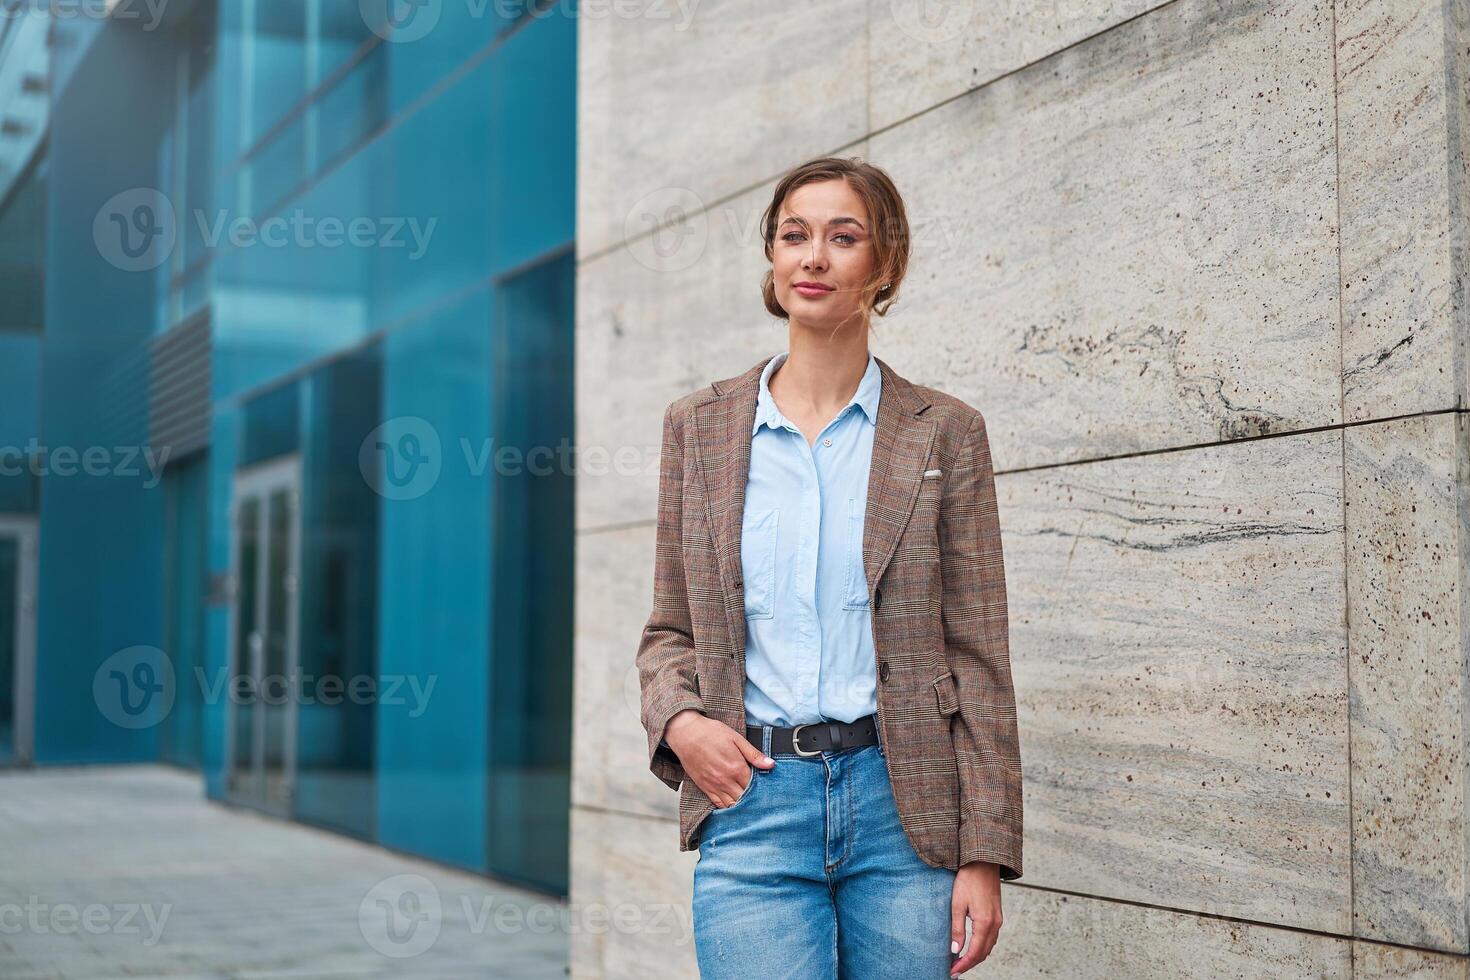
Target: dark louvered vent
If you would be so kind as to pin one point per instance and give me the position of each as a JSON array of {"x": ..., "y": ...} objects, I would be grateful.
[{"x": 179, "y": 407}]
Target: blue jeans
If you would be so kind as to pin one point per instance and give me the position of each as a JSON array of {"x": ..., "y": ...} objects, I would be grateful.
[{"x": 809, "y": 875}]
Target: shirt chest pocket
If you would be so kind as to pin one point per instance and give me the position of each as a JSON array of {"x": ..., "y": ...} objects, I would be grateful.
[
  {"x": 855, "y": 582},
  {"x": 758, "y": 562}
]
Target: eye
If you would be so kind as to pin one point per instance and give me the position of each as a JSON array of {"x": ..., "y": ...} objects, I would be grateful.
[{"x": 847, "y": 238}]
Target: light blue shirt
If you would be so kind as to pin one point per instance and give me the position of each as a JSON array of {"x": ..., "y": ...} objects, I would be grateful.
[{"x": 809, "y": 639}]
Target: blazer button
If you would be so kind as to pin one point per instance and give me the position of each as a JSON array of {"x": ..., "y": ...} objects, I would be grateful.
[
  {"x": 883, "y": 671},
  {"x": 877, "y": 598}
]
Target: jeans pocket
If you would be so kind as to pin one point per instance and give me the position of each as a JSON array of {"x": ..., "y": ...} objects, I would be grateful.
[{"x": 745, "y": 794}]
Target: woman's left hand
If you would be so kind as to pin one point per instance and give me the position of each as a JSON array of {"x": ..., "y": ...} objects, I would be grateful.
[{"x": 976, "y": 894}]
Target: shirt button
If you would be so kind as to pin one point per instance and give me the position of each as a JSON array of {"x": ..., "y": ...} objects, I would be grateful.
[{"x": 826, "y": 442}]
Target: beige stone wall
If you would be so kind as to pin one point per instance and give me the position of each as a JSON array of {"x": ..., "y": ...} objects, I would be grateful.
[{"x": 1201, "y": 264}]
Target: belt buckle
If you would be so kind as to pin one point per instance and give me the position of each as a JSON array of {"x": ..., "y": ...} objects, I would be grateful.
[{"x": 796, "y": 740}]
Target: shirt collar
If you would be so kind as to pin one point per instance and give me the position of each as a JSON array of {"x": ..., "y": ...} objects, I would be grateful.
[{"x": 866, "y": 396}]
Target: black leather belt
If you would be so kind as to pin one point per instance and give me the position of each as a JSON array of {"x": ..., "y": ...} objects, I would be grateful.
[{"x": 819, "y": 737}]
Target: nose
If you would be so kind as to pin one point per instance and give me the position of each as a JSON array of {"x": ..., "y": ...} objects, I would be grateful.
[{"x": 816, "y": 258}]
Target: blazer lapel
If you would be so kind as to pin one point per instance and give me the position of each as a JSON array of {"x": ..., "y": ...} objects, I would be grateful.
[
  {"x": 723, "y": 446},
  {"x": 901, "y": 446}
]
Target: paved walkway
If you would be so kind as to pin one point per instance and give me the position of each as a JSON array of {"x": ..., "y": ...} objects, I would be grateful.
[{"x": 128, "y": 871}]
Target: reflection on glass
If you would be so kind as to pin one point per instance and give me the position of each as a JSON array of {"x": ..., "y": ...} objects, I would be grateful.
[
  {"x": 277, "y": 678},
  {"x": 265, "y": 714},
  {"x": 339, "y": 597},
  {"x": 247, "y": 529}
]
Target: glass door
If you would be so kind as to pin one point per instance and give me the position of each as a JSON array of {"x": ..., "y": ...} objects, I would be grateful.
[
  {"x": 17, "y": 638},
  {"x": 264, "y": 653}
]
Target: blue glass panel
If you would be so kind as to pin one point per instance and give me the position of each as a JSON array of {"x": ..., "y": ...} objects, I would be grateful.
[
  {"x": 198, "y": 120},
  {"x": 353, "y": 108},
  {"x": 339, "y": 597},
  {"x": 186, "y": 485},
  {"x": 277, "y": 169},
  {"x": 343, "y": 36},
  {"x": 532, "y": 95},
  {"x": 277, "y": 47},
  {"x": 438, "y": 38},
  {"x": 271, "y": 425},
  {"x": 20, "y": 423},
  {"x": 23, "y": 256},
  {"x": 433, "y": 586},
  {"x": 531, "y": 607},
  {"x": 9, "y": 617}
]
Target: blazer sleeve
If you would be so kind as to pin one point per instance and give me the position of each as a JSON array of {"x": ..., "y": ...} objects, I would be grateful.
[
  {"x": 665, "y": 659},
  {"x": 976, "y": 646}
]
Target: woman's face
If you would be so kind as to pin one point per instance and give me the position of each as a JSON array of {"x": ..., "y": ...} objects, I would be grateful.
[{"x": 823, "y": 238}]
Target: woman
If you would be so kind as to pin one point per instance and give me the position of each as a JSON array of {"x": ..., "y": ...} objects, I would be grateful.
[{"x": 825, "y": 674}]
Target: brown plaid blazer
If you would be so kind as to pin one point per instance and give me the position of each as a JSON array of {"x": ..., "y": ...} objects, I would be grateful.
[{"x": 932, "y": 554}]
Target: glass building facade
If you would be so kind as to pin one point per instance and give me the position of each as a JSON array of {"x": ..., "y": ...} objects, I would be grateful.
[{"x": 282, "y": 281}]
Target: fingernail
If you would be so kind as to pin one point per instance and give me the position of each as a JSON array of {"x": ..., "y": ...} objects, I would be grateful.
[
  {"x": 766, "y": 758},
  {"x": 954, "y": 946}
]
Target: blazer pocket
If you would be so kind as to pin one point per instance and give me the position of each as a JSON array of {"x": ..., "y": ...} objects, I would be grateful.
[
  {"x": 758, "y": 535},
  {"x": 944, "y": 691},
  {"x": 855, "y": 582}
]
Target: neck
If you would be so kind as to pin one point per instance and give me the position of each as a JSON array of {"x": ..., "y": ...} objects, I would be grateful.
[{"x": 819, "y": 375}]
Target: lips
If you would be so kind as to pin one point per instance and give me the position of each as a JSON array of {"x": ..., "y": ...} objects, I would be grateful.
[{"x": 812, "y": 289}]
